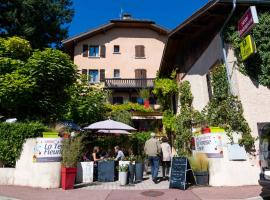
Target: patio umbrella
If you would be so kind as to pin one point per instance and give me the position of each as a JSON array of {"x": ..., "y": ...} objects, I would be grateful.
[
  {"x": 121, "y": 132},
  {"x": 109, "y": 125}
]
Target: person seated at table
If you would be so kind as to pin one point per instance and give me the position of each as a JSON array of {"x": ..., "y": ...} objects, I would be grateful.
[
  {"x": 96, "y": 155},
  {"x": 119, "y": 154}
]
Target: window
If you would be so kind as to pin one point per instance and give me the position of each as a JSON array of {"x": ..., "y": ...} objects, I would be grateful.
[
  {"x": 93, "y": 76},
  {"x": 116, "y": 73},
  {"x": 118, "y": 100},
  {"x": 94, "y": 51},
  {"x": 139, "y": 51},
  {"x": 102, "y": 75},
  {"x": 116, "y": 49},
  {"x": 85, "y": 50}
]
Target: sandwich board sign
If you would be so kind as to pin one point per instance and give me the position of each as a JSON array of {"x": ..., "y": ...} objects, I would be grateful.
[
  {"x": 181, "y": 175},
  {"x": 248, "y": 21}
]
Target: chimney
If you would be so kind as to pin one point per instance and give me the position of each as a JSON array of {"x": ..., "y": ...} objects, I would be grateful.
[{"x": 126, "y": 16}]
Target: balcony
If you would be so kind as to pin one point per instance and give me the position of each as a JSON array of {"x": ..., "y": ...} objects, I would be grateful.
[{"x": 128, "y": 83}]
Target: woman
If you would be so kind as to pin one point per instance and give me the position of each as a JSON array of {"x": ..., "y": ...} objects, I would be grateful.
[
  {"x": 166, "y": 157},
  {"x": 96, "y": 155}
]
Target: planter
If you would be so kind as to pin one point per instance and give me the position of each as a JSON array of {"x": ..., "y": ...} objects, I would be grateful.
[
  {"x": 123, "y": 178},
  {"x": 131, "y": 175},
  {"x": 139, "y": 172},
  {"x": 85, "y": 172},
  {"x": 146, "y": 103},
  {"x": 68, "y": 176},
  {"x": 156, "y": 106},
  {"x": 202, "y": 178},
  {"x": 123, "y": 162},
  {"x": 106, "y": 171}
]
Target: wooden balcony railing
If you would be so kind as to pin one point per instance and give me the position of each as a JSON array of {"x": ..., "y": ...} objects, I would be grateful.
[{"x": 113, "y": 83}]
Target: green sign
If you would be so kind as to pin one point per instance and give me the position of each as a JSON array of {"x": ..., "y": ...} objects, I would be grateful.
[{"x": 247, "y": 47}]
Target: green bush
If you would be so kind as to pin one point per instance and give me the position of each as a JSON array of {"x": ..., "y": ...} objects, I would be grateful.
[
  {"x": 129, "y": 107},
  {"x": 122, "y": 116},
  {"x": 12, "y": 137}
]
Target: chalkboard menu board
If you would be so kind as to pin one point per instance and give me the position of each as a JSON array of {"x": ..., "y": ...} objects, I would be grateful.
[{"x": 181, "y": 173}]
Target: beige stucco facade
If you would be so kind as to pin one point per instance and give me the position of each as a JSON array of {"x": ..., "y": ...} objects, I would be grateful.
[
  {"x": 125, "y": 61},
  {"x": 255, "y": 100}
]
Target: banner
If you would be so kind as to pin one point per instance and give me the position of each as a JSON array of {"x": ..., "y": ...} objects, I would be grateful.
[
  {"x": 47, "y": 150},
  {"x": 210, "y": 144}
]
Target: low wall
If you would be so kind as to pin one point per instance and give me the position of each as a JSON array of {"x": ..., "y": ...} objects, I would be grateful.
[
  {"x": 225, "y": 172},
  {"x": 28, "y": 173}
]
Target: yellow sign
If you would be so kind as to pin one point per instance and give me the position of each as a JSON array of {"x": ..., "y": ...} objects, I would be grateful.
[{"x": 247, "y": 47}]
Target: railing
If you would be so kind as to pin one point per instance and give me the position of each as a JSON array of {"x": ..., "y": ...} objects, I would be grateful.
[{"x": 113, "y": 83}]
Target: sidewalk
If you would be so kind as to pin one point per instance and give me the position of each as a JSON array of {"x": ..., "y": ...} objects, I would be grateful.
[{"x": 194, "y": 193}]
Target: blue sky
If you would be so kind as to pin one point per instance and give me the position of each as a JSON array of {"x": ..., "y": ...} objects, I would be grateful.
[{"x": 168, "y": 13}]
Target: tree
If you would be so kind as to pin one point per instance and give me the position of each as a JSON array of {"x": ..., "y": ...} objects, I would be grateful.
[
  {"x": 42, "y": 22},
  {"x": 87, "y": 104},
  {"x": 33, "y": 85}
]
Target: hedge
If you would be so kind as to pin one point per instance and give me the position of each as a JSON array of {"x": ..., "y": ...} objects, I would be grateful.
[{"x": 12, "y": 137}]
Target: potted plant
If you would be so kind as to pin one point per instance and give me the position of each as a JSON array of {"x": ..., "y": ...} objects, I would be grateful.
[
  {"x": 131, "y": 169},
  {"x": 123, "y": 172},
  {"x": 200, "y": 166},
  {"x": 71, "y": 151},
  {"x": 145, "y": 94},
  {"x": 139, "y": 168}
]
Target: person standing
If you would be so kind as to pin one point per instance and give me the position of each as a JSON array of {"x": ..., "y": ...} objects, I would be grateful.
[
  {"x": 166, "y": 157},
  {"x": 119, "y": 154},
  {"x": 152, "y": 149}
]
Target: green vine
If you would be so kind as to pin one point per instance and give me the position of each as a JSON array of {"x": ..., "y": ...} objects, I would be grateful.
[
  {"x": 185, "y": 120},
  {"x": 256, "y": 67},
  {"x": 164, "y": 89},
  {"x": 225, "y": 110}
]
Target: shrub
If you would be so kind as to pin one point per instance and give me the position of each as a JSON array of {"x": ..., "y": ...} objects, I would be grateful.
[
  {"x": 199, "y": 162},
  {"x": 12, "y": 138}
]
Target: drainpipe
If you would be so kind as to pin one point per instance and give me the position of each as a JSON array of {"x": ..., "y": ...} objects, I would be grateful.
[{"x": 223, "y": 46}]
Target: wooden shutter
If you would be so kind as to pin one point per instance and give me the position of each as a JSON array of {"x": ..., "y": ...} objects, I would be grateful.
[
  {"x": 103, "y": 51},
  {"x": 102, "y": 75},
  {"x": 140, "y": 73},
  {"x": 85, "y": 50},
  {"x": 139, "y": 51},
  {"x": 84, "y": 71}
]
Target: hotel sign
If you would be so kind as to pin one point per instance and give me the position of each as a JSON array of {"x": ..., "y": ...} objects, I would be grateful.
[
  {"x": 48, "y": 150},
  {"x": 247, "y": 47},
  {"x": 248, "y": 20}
]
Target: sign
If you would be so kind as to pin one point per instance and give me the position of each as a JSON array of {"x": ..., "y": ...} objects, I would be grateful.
[
  {"x": 247, "y": 21},
  {"x": 47, "y": 150},
  {"x": 247, "y": 47},
  {"x": 210, "y": 144},
  {"x": 181, "y": 173}
]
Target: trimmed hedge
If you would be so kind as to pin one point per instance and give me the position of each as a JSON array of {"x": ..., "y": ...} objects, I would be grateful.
[{"x": 12, "y": 137}]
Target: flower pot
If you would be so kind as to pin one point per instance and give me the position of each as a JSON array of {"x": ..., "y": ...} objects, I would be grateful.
[
  {"x": 131, "y": 170},
  {"x": 202, "y": 178},
  {"x": 123, "y": 178},
  {"x": 139, "y": 172},
  {"x": 146, "y": 103},
  {"x": 85, "y": 172},
  {"x": 121, "y": 163},
  {"x": 68, "y": 176},
  {"x": 106, "y": 171}
]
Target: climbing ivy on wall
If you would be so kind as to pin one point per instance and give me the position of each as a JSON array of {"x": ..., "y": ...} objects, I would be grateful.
[
  {"x": 256, "y": 67},
  {"x": 185, "y": 120},
  {"x": 225, "y": 110}
]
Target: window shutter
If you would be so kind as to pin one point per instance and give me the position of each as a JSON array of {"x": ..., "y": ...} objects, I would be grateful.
[
  {"x": 103, "y": 51},
  {"x": 102, "y": 75},
  {"x": 85, "y": 50},
  {"x": 139, "y": 51},
  {"x": 84, "y": 71}
]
